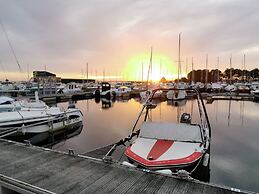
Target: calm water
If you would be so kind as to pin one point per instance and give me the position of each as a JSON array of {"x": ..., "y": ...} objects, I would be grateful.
[{"x": 235, "y": 132}]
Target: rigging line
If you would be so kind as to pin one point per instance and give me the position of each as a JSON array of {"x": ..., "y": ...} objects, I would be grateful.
[
  {"x": 10, "y": 45},
  {"x": 149, "y": 68}
]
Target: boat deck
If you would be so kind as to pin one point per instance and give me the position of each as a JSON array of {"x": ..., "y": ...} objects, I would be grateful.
[{"x": 31, "y": 169}]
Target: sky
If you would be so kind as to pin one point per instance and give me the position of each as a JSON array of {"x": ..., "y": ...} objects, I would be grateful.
[{"x": 115, "y": 37}]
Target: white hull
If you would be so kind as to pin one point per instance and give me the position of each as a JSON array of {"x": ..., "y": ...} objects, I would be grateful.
[
  {"x": 166, "y": 145},
  {"x": 38, "y": 121},
  {"x": 146, "y": 94},
  {"x": 176, "y": 95}
]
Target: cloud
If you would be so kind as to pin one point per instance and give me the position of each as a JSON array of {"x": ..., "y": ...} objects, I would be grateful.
[{"x": 65, "y": 34}]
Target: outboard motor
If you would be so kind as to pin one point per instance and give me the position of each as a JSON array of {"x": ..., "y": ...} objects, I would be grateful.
[{"x": 186, "y": 118}]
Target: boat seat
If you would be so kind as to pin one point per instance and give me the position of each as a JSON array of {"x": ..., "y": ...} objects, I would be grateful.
[{"x": 171, "y": 131}]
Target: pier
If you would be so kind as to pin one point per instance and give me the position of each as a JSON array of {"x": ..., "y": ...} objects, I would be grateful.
[
  {"x": 30, "y": 169},
  {"x": 66, "y": 97}
]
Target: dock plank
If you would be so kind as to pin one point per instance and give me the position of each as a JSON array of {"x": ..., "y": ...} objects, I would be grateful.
[
  {"x": 168, "y": 186},
  {"x": 62, "y": 173},
  {"x": 129, "y": 182}
]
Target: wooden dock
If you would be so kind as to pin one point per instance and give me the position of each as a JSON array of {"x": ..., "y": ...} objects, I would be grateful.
[
  {"x": 31, "y": 169},
  {"x": 66, "y": 97}
]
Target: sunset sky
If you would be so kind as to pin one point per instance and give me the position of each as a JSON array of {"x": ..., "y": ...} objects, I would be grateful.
[{"x": 115, "y": 36}]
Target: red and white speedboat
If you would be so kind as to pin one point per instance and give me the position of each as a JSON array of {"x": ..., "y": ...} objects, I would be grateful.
[{"x": 173, "y": 146}]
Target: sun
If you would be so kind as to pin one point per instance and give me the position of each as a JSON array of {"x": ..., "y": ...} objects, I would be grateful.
[{"x": 162, "y": 66}]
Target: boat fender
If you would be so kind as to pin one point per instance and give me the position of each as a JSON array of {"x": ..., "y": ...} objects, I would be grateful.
[
  {"x": 125, "y": 163},
  {"x": 165, "y": 171},
  {"x": 27, "y": 142},
  {"x": 205, "y": 161},
  {"x": 183, "y": 174}
]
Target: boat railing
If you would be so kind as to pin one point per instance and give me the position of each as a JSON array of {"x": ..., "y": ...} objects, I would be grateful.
[
  {"x": 204, "y": 120},
  {"x": 12, "y": 130},
  {"x": 148, "y": 103}
]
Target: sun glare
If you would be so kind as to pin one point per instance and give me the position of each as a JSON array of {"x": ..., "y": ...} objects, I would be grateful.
[{"x": 162, "y": 66}]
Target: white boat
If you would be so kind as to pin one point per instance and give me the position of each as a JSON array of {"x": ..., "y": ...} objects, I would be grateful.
[
  {"x": 171, "y": 146},
  {"x": 146, "y": 94},
  {"x": 178, "y": 93},
  {"x": 216, "y": 87},
  {"x": 123, "y": 91},
  {"x": 70, "y": 88},
  {"x": 34, "y": 120},
  {"x": 10, "y": 104},
  {"x": 231, "y": 88},
  {"x": 243, "y": 89}
]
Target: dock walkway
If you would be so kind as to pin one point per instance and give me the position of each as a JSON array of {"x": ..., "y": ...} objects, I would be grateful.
[{"x": 31, "y": 169}]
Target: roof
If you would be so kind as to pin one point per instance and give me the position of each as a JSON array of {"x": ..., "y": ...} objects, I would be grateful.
[{"x": 43, "y": 73}]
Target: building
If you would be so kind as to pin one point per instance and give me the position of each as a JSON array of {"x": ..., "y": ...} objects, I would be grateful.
[{"x": 44, "y": 77}]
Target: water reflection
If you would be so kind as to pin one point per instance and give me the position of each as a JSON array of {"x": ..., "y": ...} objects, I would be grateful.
[
  {"x": 47, "y": 139},
  {"x": 234, "y": 158},
  {"x": 234, "y": 132},
  {"x": 106, "y": 103}
]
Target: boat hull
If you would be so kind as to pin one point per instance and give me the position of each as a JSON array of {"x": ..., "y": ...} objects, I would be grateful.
[
  {"x": 30, "y": 124},
  {"x": 158, "y": 154}
]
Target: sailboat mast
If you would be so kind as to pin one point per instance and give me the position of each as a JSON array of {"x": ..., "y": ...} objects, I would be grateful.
[
  {"x": 206, "y": 70},
  {"x": 218, "y": 69},
  {"x": 179, "y": 57},
  {"x": 245, "y": 67},
  {"x": 230, "y": 73},
  {"x": 150, "y": 66},
  {"x": 87, "y": 71},
  {"x": 192, "y": 71}
]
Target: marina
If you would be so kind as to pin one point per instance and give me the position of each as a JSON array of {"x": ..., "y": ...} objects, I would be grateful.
[
  {"x": 233, "y": 119},
  {"x": 129, "y": 97}
]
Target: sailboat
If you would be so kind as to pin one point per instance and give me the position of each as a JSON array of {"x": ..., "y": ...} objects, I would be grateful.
[
  {"x": 242, "y": 87},
  {"x": 178, "y": 94},
  {"x": 145, "y": 94},
  {"x": 231, "y": 87},
  {"x": 174, "y": 146}
]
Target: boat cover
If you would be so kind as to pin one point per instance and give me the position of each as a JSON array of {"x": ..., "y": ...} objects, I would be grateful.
[
  {"x": 171, "y": 131},
  {"x": 4, "y": 99}
]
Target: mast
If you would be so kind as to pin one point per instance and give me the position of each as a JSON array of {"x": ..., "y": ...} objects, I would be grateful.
[
  {"x": 245, "y": 68},
  {"x": 11, "y": 46},
  {"x": 150, "y": 66},
  {"x": 218, "y": 69},
  {"x": 87, "y": 71},
  {"x": 230, "y": 73},
  {"x": 179, "y": 57},
  {"x": 192, "y": 71},
  {"x": 206, "y": 70}
]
